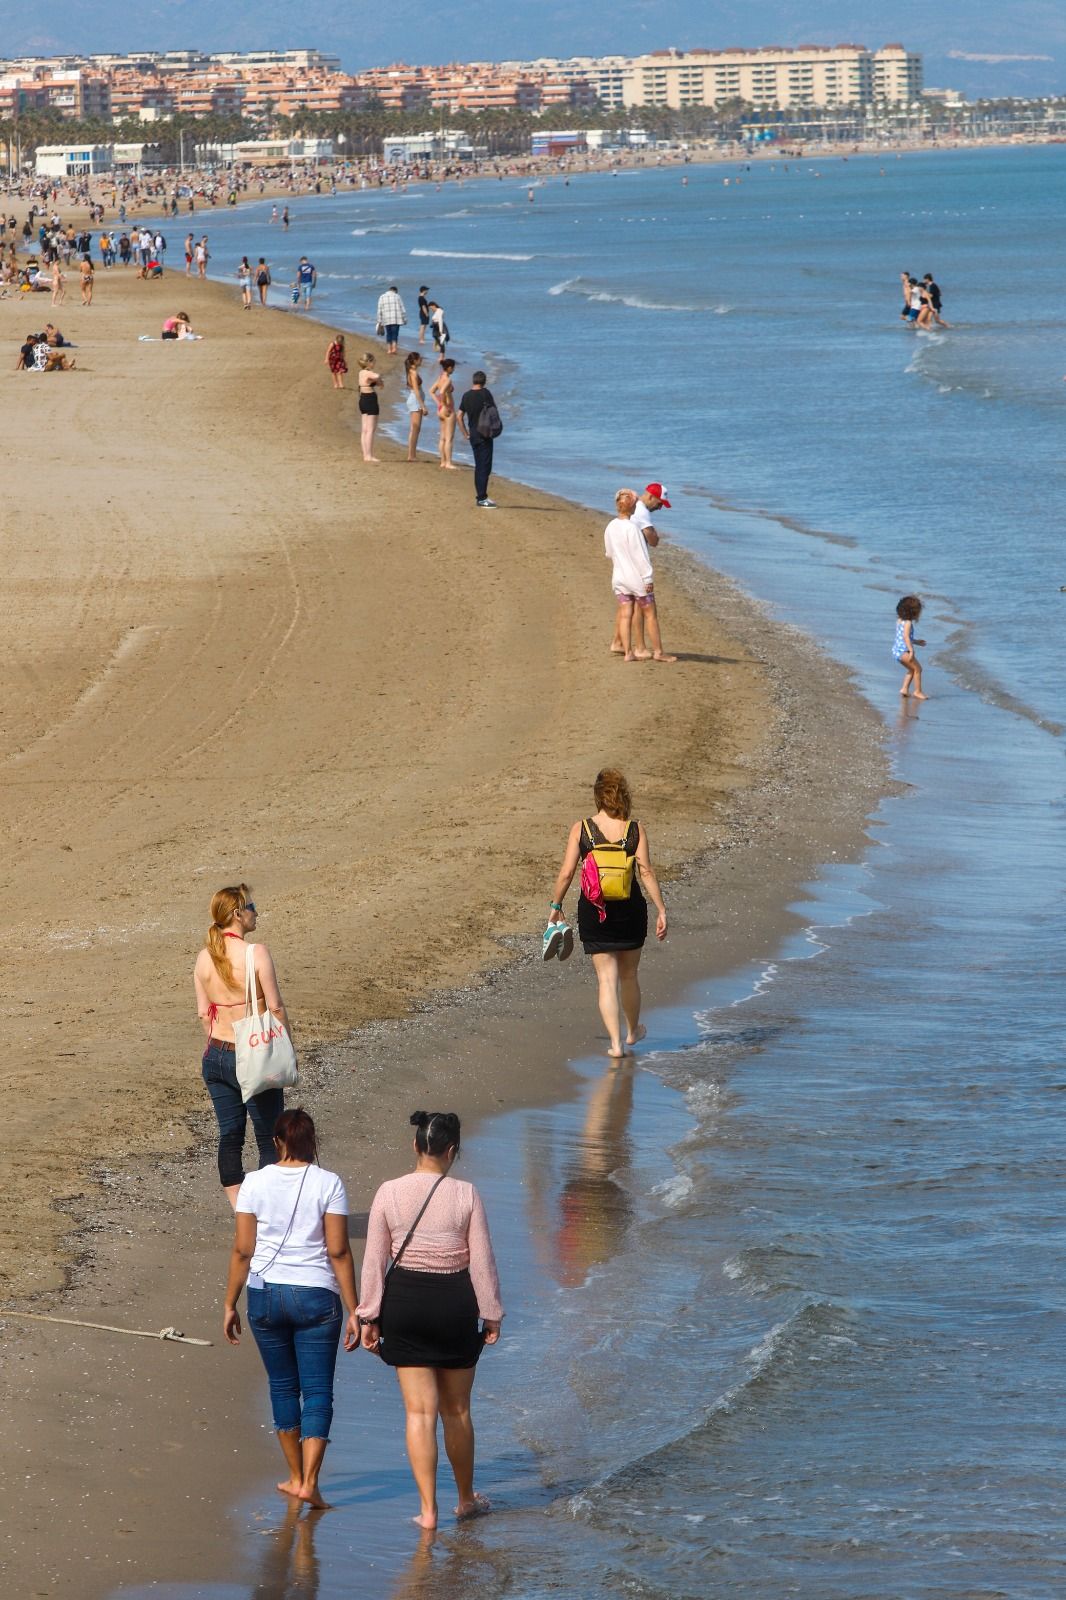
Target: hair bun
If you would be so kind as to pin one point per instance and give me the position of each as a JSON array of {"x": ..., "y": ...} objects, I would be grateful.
[{"x": 420, "y": 1119}]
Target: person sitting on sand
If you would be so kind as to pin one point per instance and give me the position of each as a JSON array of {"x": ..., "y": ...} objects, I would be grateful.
[
  {"x": 178, "y": 327},
  {"x": 612, "y": 931},
  {"x": 25, "y": 359},
  {"x": 631, "y": 579},
  {"x": 290, "y": 1246},
  {"x": 420, "y": 1314}
]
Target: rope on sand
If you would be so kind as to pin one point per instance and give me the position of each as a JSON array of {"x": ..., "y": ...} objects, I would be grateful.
[{"x": 105, "y": 1327}]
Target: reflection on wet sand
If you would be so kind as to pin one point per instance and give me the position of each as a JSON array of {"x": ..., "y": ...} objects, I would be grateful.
[
  {"x": 593, "y": 1211},
  {"x": 450, "y": 1568},
  {"x": 288, "y": 1565}
]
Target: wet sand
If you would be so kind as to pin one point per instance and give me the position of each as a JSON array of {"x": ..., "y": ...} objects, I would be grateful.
[{"x": 240, "y": 652}]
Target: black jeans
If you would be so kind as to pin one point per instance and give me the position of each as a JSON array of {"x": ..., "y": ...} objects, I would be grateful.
[
  {"x": 482, "y": 449},
  {"x": 220, "y": 1077}
]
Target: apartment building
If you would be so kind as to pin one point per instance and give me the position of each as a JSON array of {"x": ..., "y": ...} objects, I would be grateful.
[
  {"x": 76, "y": 95},
  {"x": 811, "y": 76}
]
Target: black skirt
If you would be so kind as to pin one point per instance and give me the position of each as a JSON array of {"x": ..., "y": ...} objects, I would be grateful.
[
  {"x": 625, "y": 927},
  {"x": 430, "y": 1319}
]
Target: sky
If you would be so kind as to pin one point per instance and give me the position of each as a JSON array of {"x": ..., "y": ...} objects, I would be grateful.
[{"x": 981, "y": 48}]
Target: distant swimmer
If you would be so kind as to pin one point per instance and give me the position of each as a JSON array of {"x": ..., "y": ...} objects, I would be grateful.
[{"x": 530, "y": 196}]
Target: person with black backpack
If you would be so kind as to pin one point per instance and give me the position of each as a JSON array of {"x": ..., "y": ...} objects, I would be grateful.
[{"x": 480, "y": 422}]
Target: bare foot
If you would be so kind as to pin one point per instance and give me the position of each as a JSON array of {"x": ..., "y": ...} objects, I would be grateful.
[
  {"x": 904, "y": 693},
  {"x": 291, "y": 1486},
  {"x": 313, "y": 1498},
  {"x": 449, "y": 466},
  {"x": 640, "y": 1033},
  {"x": 630, "y": 657},
  {"x": 477, "y": 1506},
  {"x": 642, "y": 655},
  {"x": 425, "y": 1519},
  {"x": 658, "y": 656},
  {"x": 372, "y": 460},
  {"x": 918, "y": 695},
  {"x": 616, "y": 1054},
  {"x": 617, "y": 650}
]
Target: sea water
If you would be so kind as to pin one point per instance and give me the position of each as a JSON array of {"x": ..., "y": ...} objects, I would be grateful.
[{"x": 786, "y": 1297}]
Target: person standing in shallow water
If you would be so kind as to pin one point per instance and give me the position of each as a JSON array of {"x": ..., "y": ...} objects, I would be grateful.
[
  {"x": 218, "y": 979},
  {"x": 908, "y": 611},
  {"x": 291, "y": 1248},
  {"x": 612, "y": 932},
  {"x": 421, "y": 1313}
]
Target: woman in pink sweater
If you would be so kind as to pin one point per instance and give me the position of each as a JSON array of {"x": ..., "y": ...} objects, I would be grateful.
[{"x": 428, "y": 1275}]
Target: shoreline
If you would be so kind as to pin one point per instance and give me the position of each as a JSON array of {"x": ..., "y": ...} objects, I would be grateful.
[{"x": 191, "y": 1226}]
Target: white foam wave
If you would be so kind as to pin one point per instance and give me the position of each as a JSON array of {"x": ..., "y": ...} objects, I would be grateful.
[
  {"x": 635, "y": 301},
  {"x": 674, "y": 1191},
  {"x": 471, "y": 255}
]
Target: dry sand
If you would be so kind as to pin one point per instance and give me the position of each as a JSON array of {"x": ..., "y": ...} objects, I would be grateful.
[{"x": 238, "y": 652}]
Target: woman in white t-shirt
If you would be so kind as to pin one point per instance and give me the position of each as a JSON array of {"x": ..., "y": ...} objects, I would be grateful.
[{"x": 291, "y": 1247}]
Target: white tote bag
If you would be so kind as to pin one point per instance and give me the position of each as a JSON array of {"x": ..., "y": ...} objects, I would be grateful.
[{"x": 265, "y": 1056}]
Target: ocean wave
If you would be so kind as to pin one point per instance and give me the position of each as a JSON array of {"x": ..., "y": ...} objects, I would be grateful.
[
  {"x": 636, "y": 302},
  {"x": 471, "y": 255},
  {"x": 386, "y": 227},
  {"x": 819, "y": 1330}
]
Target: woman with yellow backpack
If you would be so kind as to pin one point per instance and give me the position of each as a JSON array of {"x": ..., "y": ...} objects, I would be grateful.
[{"x": 612, "y": 914}]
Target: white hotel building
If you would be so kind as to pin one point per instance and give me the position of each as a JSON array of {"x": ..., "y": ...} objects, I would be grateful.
[{"x": 830, "y": 76}]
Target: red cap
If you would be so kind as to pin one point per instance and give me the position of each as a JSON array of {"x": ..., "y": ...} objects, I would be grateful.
[{"x": 659, "y": 493}]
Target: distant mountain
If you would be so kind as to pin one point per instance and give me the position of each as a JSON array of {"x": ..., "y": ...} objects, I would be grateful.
[{"x": 982, "y": 49}]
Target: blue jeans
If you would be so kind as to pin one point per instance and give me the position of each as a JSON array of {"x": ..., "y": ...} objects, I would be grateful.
[
  {"x": 392, "y": 332},
  {"x": 220, "y": 1078},
  {"x": 297, "y": 1330}
]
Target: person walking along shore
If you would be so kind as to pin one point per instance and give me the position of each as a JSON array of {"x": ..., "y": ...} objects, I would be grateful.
[
  {"x": 291, "y": 1248},
  {"x": 612, "y": 927},
  {"x": 219, "y": 981},
  {"x": 421, "y": 1312}
]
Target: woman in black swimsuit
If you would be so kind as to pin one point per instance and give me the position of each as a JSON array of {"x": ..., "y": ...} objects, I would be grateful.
[
  {"x": 615, "y": 939},
  {"x": 369, "y": 383}
]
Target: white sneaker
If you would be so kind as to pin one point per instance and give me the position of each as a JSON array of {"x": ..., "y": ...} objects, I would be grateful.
[{"x": 486, "y": 502}]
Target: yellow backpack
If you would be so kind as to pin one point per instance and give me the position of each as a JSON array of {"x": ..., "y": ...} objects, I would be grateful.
[{"x": 613, "y": 863}]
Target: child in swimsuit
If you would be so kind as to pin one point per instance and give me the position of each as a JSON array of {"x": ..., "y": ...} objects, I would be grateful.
[{"x": 907, "y": 613}]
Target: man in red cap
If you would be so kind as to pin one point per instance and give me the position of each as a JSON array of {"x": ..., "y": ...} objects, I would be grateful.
[{"x": 653, "y": 499}]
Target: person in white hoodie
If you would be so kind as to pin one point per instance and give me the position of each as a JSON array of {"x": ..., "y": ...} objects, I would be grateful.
[{"x": 632, "y": 580}]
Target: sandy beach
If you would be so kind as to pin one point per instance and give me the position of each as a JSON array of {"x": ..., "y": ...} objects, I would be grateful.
[{"x": 241, "y": 653}]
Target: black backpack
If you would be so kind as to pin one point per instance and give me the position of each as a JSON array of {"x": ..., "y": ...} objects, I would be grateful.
[{"x": 489, "y": 425}]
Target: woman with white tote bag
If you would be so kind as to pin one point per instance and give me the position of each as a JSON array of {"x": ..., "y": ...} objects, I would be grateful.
[{"x": 223, "y": 978}]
